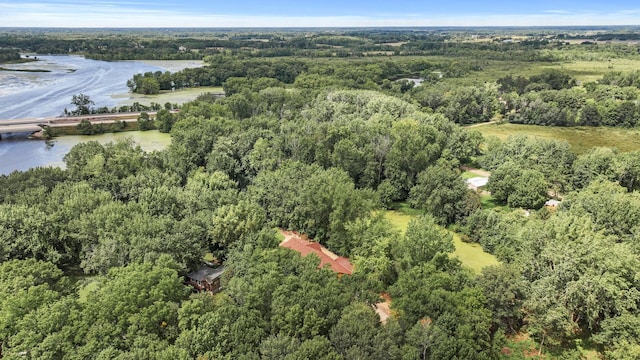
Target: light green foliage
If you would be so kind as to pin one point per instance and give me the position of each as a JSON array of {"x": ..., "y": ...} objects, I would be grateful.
[
  {"x": 30, "y": 306},
  {"x": 468, "y": 105},
  {"x": 595, "y": 163},
  {"x": 232, "y": 223},
  {"x": 550, "y": 157},
  {"x": 609, "y": 206},
  {"x": 449, "y": 313},
  {"x": 422, "y": 241},
  {"x": 565, "y": 262}
]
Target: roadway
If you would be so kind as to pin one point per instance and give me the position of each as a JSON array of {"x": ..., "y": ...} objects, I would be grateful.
[{"x": 36, "y": 124}]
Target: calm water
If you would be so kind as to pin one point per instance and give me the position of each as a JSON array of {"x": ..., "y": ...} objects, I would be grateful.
[
  {"x": 33, "y": 95},
  {"x": 27, "y": 95},
  {"x": 21, "y": 154}
]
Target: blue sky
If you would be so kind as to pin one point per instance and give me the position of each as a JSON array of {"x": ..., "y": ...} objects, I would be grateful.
[{"x": 327, "y": 13}]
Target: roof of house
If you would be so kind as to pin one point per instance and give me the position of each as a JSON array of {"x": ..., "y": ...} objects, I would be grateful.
[
  {"x": 206, "y": 273},
  {"x": 338, "y": 264},
  {"x": 478, "y": 181},
  {"x": 552, "y": 203}
]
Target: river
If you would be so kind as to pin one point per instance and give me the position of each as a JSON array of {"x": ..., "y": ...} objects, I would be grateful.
[
  {"x": 37, "y": 94},
  {"x": 40, "y": 94},
  {"x": 21, "y": 154}
]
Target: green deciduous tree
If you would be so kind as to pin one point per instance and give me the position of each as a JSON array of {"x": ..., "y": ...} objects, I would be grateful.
[
  {"x": 82, "y": 103},
  {"x": 441, "y": 191},
  {"x": 423, "y": 240}
]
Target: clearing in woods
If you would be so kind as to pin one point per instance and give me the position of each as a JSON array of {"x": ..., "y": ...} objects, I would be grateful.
[{"x": 471, "y": 255}]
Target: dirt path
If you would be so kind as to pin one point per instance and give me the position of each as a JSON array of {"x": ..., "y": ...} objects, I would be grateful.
[{"x": 480, "y": 124}]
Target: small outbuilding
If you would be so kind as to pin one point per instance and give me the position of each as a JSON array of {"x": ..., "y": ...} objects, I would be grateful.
[
  {"x": 476, "y": 183},
  {"x": 552, "y": 203},
  {"x": 206, "y": 279}
]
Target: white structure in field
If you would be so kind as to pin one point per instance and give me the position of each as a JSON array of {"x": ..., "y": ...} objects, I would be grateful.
[{"x": 476, "y": 183}]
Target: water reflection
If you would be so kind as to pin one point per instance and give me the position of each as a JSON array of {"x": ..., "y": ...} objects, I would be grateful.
[{"x": 18, "y": 153}]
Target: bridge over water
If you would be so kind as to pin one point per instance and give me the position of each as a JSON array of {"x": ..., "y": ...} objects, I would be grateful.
[{"x": 14, "y": 126}]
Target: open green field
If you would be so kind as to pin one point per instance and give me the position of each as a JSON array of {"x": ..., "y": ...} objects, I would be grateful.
[
  {"x": 582, "y": 70},
  {"x": 471, "y": 255},
  {"x": 590, "y": 71},
  {"x": 580, "y": 138},
  {"x": 178, "y": 96}
]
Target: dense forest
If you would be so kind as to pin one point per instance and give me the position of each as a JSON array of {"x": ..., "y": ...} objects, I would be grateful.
[
  {"x": 9, "y": 55},
  {"x": 93, "y": 256}
]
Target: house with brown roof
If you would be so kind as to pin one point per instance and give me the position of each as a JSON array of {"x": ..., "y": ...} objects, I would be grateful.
[
  {"x": 340, "y": 265},
  {"x": 206, "y": 279}
]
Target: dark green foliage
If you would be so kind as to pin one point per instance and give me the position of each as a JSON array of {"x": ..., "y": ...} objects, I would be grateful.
[
  {"x": 85, "y": 127},
  {"x": 518, "y": 187},
  {"x": 552, "y": 79},
  {"x": 17, "y": 183},
  {"x": 82, "y": 103},
  {"x": 164, "y": 120},
  {"x": 421, "y": 243},
  {"x": 441, "y": 192},
  {"x": 504, "y": 289},
  {"x": 314, "y": 146},
  {"x": 9, "y": 55},
  {"x": 132, "y": 309},
  {"x": 311, "y": 200},
  {"x": 446, "y": 313},
  {"x": 145, "y": 122}
]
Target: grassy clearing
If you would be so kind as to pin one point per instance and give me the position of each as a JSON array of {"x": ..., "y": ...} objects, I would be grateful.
[
  {"x": 178, "y": 96},
  {"x": 151, "y": 140},
  {"x": 90, "y": 284},
  {"x": 471, "y": 255},
  {"x": 589, "y": 71},
  {"x": 466, "y": 175},
  {"x": 488, "y": 202},
  {"x": 584, "y": 71},
  {"x": 581, "y": 138}
]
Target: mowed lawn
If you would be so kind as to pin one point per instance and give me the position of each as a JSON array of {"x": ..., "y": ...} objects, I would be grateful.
[
  {"x": 471, "y": 255},
  {"x": 581, "y": 138}
]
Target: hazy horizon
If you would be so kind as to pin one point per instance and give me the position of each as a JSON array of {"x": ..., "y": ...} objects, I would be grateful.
[{"x": 329, "y": 13}]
